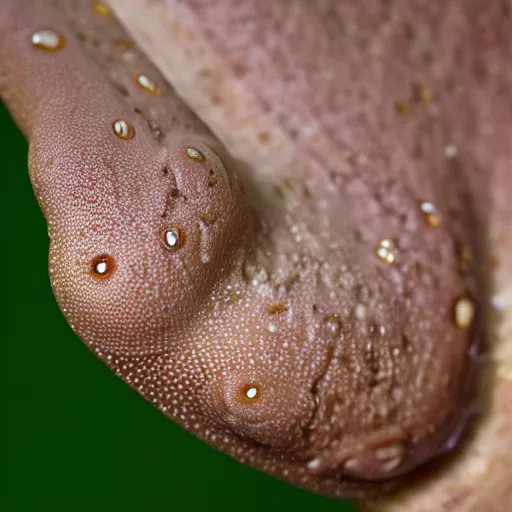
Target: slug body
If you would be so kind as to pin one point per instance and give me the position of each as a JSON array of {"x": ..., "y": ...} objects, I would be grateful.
[{"x": 318, "y": 326}]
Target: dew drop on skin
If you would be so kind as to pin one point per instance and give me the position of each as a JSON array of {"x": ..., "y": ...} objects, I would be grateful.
[
  {"x": 48, "y": 40},
  {"x": 464, "y": 312},
  {"x": 123, "y": 130},
  {"x": 431, "y": 214},
  {"x": 103, "y": 266},
  {"x": 173, "y": 238},
  {"x": 147, "y": 84},
  {"x": 385, "y": 251},
  {"x": 250, "y": 393},
  {"x": 195, "y": 154}
]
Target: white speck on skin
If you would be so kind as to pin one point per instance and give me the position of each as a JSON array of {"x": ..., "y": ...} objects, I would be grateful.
[
  {"x": 314, "y": 464},
  {"x": 251, "y": 393},
  {"x": 46, "y": 39},
  {"x": 500, "y": 302},
  {"x": 360, "y": 311},
  {"x": 450, "y": 151},
  {"x": 464, "y": 312},
  {"x": 101, "y": 267},
  {"x": 428, "y": 207},
  {"x": 171, "y": 238},
  {"x": 389, "y": 452}
]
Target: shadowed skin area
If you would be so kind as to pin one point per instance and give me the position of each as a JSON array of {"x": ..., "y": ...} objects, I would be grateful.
[{"x": 320, "y": 328}]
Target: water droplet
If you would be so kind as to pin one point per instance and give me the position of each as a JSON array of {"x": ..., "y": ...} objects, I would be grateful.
[
  {"x": 123, "y": 129},
  {"x": 48, "y": 40},
  {"x": 251, "y": 393},
  {"x": 101, "y": 8},
  {"x": 195, "y": 154},
  {"x": 450, "y": 151},
  {"x": 464, "y": 312},
  {"x": 173, "y": 238},
  {"x": 148, "y": 84},
  {"x": 277, "y": 308},
  {"x": 103, "y": 266},
  {"x": 385, "y": 251},
  {"x": 431, "y": 214}
]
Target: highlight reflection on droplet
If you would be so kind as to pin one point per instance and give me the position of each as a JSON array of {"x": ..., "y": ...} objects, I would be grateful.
[
  {"x": 147, "y": 84},
  {"x": 123, "y": 130},
  {"x": 194, "y": 154},
  {"x": 173, "y": 238},
  {"x": 385, "y": 251},
  {"x": 48, "y": 40},
  {"x": 464, "y": 312},
  {"x": 103, "y": 266}
]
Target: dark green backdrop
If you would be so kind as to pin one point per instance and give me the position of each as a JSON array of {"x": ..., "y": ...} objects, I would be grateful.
[{"x": 77, "y": 437}]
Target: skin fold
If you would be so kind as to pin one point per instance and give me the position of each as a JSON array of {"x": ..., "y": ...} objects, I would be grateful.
[{"x": 313, "y": 312}]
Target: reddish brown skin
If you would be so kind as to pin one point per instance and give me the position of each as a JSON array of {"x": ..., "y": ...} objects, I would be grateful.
[{"x": 275, "y": 284}]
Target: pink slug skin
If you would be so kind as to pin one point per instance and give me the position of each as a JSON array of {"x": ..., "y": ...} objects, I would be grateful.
[{"x": 321, "y": 330}]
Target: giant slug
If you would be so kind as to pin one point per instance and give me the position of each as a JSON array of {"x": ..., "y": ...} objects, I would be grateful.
[{"x": 316, "y": 319}]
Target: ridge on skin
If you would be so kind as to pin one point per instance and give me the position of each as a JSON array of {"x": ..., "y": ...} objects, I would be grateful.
[{"x": 306, "y": 328}]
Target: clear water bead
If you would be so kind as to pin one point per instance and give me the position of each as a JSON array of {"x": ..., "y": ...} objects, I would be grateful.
[{"x": 48, "y": 40}]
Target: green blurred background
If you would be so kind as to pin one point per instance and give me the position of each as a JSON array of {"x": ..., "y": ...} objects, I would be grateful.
[{"x": 77, "y": 437}]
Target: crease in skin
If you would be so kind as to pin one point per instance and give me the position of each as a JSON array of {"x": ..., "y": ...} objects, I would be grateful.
[{"x": 305, "y": 326}]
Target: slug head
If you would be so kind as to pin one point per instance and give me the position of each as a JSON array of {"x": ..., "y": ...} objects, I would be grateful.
[{"x": 138, "y": 238}]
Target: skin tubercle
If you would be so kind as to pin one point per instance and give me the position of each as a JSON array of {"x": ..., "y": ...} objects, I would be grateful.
[{"x": 294, "y": 324}]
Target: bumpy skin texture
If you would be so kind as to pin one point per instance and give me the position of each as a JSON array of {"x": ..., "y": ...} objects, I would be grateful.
[{"x": 274, "y": 331}]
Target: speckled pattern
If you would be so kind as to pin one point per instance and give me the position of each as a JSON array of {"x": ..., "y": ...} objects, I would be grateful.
[{"x": 316, "y": 325}]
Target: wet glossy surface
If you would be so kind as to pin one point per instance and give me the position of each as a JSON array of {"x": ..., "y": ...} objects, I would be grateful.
[
  {"x": 75, "y": 447},
  {"x": 334, "y": 320}
]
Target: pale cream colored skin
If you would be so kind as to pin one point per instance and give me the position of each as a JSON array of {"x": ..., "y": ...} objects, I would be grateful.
[{"x": 306, "y": 132}]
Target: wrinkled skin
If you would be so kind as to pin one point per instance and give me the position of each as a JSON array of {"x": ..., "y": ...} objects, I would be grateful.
[{"x": 280, "y": 328}]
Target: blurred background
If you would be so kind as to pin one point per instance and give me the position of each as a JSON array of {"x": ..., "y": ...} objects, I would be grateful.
[{"x": 77, "y": 437}]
